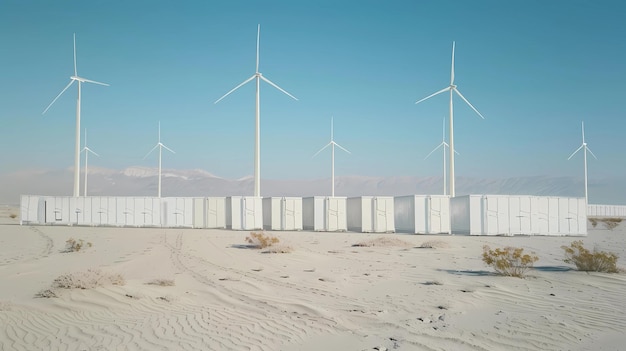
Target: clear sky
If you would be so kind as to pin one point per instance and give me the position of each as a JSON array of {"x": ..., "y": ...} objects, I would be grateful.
[{"x": 534, "y": 68}]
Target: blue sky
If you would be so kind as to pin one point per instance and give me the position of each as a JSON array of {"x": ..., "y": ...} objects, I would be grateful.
[{"x": 535, "y": 70}]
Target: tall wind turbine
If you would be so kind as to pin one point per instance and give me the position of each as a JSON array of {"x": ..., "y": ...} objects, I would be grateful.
[
  {"x": 585, "y": 149},
  {"x": 453, "y": 89},
  {"x": 87, "y": 150},
  {"x": 443, "y": 145},
  {"x": 161, "y": 147},
  {"x": 80, "y": 80},
  {"x": 257, "y": 136},
  {"x": 332, "y": 144}
]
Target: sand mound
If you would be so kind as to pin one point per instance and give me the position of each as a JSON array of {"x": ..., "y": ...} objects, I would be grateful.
[{"x": 384, "y": 242}]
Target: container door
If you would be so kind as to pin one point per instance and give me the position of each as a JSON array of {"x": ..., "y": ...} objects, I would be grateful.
[
  {"x": 553, "y": 216},
  {"x": 332, "y": 214},
  {"x": 383, "y": 216},
  {"x": 289, "y": 214},
  {"x": 434, "y": 213},
  {"x": 253, "y": 213},
  {"x": 198, "y": 213},
  {"x": 515, "y": 215}
]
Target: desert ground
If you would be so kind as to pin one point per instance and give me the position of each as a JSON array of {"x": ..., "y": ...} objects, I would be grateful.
[{"x": 188, "y": 289}]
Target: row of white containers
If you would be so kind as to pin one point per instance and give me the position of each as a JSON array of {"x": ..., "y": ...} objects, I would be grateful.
[
  {"x": 415, "y": 214},
  {"x": 606, "y": 211}
]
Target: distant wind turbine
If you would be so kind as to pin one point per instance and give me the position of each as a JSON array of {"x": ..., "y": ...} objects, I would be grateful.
[
  {"x": 585, "y": 149},
  {"x": 257, "y": 136},
  {"x": 161, "y": 147},
  {"x": 443, "y": 145},
  {"x": 87, "y": 150},
  {"x": 75, "y": 78},
  {"x": 332, "y": 144},
  {"x": 453, "y": 89}
]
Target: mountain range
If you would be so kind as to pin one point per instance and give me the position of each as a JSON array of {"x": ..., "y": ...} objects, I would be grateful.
[{"x": 141, "y": 181}]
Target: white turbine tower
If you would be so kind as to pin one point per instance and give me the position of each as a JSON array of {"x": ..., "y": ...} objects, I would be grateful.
[
  {"x": 453, "y": 89},
  {"x": 585, "y": 149},
  {"x": 80, "y": 80},
  {"x": 443, "y": 145},
  {"x": 257, "y": 136},
  {"x": 332, "y": 144},
  {"x": 161, "y": 147},
  {"x": 87, "y": 150}
]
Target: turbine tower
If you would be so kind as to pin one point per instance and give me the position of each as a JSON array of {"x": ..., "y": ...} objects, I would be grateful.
[
  {"x": 443, "y": 145},
  {"x": 585, "y": 149},
  {"x": 161, "y": 147},
  {"x": 257, "y": 134},
  {"x": 80, "y": 80},
  {"x": 453, "y": 89},
  {"x": 332, "y": 144},
  {"x": 87, "y": 150}
]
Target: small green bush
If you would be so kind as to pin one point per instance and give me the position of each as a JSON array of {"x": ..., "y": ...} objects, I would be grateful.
[
  {"x": 509, "y": 261},
  {"x": 261, "y": 241},
  {"x": 588, "y": 261}
]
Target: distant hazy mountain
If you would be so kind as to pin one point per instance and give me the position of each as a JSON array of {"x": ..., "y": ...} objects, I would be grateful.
[{"x": 140, "y": 181}]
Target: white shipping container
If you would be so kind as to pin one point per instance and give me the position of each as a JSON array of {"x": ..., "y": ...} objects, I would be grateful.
[
  {"x": 282, "y": 213},
  {"x": 215, "y": 212},
  {"x": 32, "y": 209},
  {"x": 244, "y": 212},
  {"x": 178, "y": 212},
  {"x": 518, "y": 215},
  {"x": 324, "y": 213},
  {"x": 370, "y": 214},
  {"x": 606, "y": 211},
  {"x": 422, "y": 214}
]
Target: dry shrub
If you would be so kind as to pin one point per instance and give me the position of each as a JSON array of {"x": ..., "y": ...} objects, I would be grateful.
[
  {"x": 73, "y": 245},
  {"x": 383, "y": 242},
  {"x": 13, "y": 215},
  {"x": 594, "y": 222},
  {"x": 261, "y": 241},
  {"x": 435, "y": 244},
  {"x": 611, "y": 223},
  {"x": 509, "y": 261},
  {"x": 161, "y": 282},
  {"x": 89, "y": 279},
  {"x": 587, "y": 261}
]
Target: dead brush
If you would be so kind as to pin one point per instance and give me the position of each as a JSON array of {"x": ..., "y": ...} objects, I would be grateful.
[
  {"x": 89, "y": 279},
  {"x": 73, "y": 245},
  {"x": 261, "y": 240},
  {"x": 509, "y": 261},
  {"x": 590, "y": 261}
]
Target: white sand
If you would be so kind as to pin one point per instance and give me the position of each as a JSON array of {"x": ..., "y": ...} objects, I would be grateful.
[{"x": 324, "y": 295}]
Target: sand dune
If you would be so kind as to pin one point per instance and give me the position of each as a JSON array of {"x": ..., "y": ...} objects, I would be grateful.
[{"x": 325, "y": 294}]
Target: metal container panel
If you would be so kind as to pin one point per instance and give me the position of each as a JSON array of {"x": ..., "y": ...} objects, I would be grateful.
[{"x": 215, "y": 212}]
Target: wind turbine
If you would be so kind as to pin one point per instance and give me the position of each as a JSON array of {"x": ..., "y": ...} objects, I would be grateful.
[
  {"x": 80, "y": 80},
  {"x": 161, "y": 147},
  {"x": 87, "y": 150},
  {"x": 332, "y": 144},
  {"x": 443, "y": 145},
  {"x": 257, "y": 136},
  {"x": 585, "y": 149},
  {"x": 453, "y": 89}
]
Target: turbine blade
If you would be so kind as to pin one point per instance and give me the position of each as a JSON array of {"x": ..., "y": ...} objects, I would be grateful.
[
  {"x": 574, "y": 153},
  {"x": 168, "y": 149},
  {"x": 470, "y": 105},
  {"x": 594, "y": 156},
  {"x": 149, "y": 152},
  {"x": 89, "y": 150},
  {"x": 435, "y": 149},
  {"x": 61, "y": 93},
  {"x": 75, "y": 69},
  {"x": 322, "y": 149},
  {"x": 235, "y": 88},
  {"x": 452, "y": 71},
  {"x": 279, "y": 88},
  {"x": 258, "y": 38},
  {"x": 583, "y": 129},
  {"x": 92, "y": 81},
  {"x": 341, "y": 147},
  {"x": 431, "y": 95}
]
